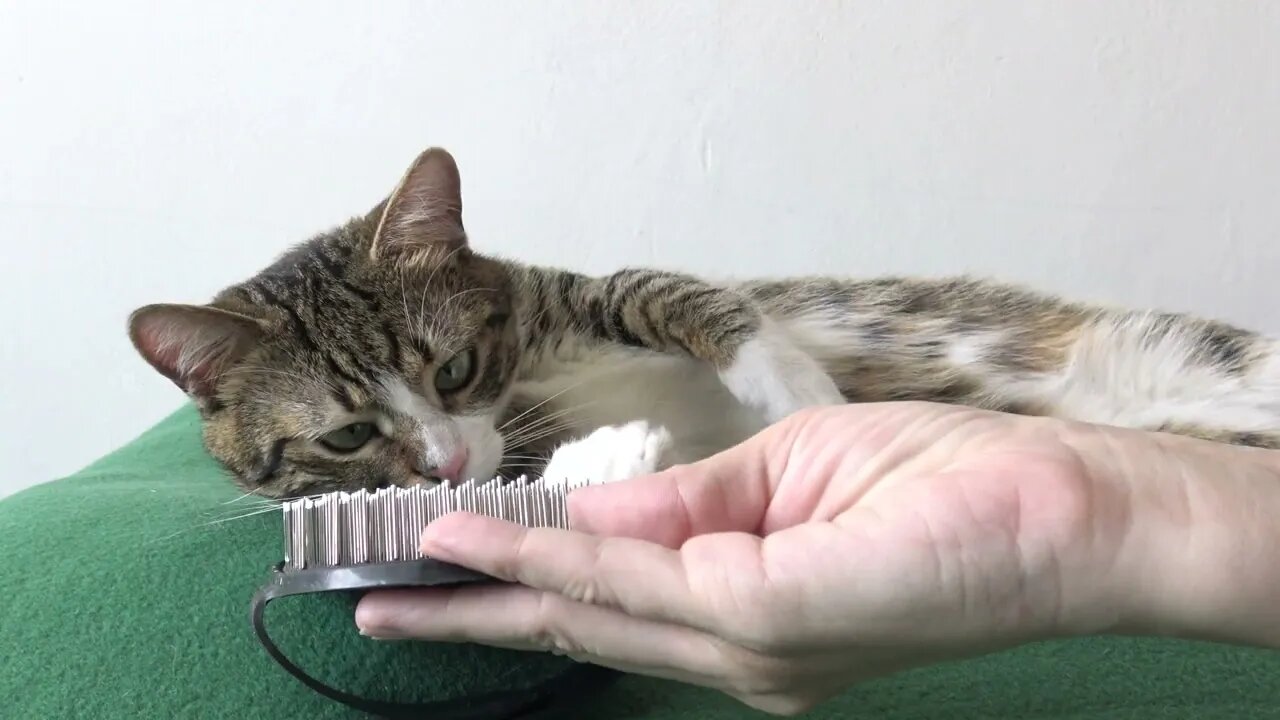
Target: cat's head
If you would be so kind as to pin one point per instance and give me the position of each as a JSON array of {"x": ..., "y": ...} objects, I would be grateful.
[{"x": 379, "y": 353}]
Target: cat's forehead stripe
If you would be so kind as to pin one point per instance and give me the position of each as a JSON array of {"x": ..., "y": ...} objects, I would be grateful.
[{"x": 348, "y": 398}]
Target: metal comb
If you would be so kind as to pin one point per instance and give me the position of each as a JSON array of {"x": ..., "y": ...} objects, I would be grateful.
[
  {"x": 344, "y": 529},
  {"x": 344, "y": 541}
]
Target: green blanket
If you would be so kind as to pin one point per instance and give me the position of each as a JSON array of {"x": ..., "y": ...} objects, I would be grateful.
[{"x": 126, "y": 592}]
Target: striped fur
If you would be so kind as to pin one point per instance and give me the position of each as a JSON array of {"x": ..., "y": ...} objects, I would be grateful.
[{"x": 609, "y": 376}]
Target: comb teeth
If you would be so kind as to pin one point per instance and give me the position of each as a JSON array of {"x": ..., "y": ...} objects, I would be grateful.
[{"x": 338, "y": 529}]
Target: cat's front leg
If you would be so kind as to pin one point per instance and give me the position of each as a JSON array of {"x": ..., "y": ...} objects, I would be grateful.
[
  {"x": 668, "y": 312},
  {"x": 610, "y": 454}
]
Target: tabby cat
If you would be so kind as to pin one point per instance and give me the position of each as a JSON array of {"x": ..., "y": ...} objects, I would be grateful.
[{"x": 388, "y": 351}]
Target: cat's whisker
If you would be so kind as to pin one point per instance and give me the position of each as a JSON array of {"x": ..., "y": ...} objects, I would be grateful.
[
  {"x": 552, "y": 432},
  {"x": 540, "y": 404},
  {"x": 547, "y": 432},
  {"x": 517, "y": 462},
  {"x": 534, "y": 421},
  {"x": 541, "y": 433},
  {"x": 437, "y": 332},
  {"x": 238, "y": 499},
  {"x": 238, "y": 514},
  {"x": 444, "y": 306},
  {"x": 232, "y": 510},
  {"x": 241, "y": 507},
  {"x": 271, "y": 500},
  {"x": 523, "y": 461},
  {"x": 522, "y": 434},
  {"x": 255, "y": 494},
  {"x": 428, "y": 329},
  {"x": 166, "y": 538},
  {"x": 249, "y": 513}
]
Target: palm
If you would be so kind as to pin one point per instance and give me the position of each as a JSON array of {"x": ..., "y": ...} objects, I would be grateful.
[{"x": 913, "y": 496}]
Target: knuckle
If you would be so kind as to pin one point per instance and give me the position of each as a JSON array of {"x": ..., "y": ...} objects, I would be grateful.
[
  {"x": 548, "y": 630},
  {"x": 585, "y": 584},
  {"x": 509, "y": 566},
  {"x": 754, "y": 674},
  {"x": 583, "y": 590}
]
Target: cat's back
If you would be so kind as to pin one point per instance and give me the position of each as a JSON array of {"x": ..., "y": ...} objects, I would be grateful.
[{"x": 990, "y": 344}]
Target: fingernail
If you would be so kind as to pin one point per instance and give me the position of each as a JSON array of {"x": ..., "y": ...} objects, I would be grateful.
[
  {"x": 428, "y": 544},
  {"x": 435, "y": 543}
]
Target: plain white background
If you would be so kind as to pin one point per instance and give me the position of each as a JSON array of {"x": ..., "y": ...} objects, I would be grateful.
[{"x": 1119, "y": 151}]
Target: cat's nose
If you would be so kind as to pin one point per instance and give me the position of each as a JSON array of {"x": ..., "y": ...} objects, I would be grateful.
[{"x": 451, "y": 471}]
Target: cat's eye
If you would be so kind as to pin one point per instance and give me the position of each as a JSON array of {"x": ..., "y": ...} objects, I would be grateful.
[
  {"x": 456, "y": 373},
  {"x": 350, "y": 438}
]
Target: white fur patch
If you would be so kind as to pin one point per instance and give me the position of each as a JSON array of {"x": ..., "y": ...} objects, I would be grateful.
[
  {"x": 773, "y": 375},
  {"x": 970, "y": 349},
  {"x": 1120, "y": 373},
  {"x": 610, "y": 454}
]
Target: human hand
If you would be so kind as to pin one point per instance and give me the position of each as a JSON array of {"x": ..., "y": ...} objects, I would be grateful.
[{"x": 839, "y": 545}]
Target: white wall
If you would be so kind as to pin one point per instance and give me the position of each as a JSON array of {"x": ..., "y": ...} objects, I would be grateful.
[{"x": 1121, "y": 151}]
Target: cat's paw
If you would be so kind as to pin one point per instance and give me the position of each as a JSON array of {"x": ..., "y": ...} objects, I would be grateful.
[
  {"x": 610, "y": 454},
  {"x": 778, "y": 378}
]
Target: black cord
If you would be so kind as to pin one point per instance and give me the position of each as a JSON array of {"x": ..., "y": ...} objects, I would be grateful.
[{"x": 543, "y": 700}]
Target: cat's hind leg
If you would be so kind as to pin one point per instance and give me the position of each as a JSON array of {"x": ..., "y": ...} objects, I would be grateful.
[
  {"x": 1162, "y": 372},
  {"x": 1256, "y": 394},
  {"x": 770, "y": 373},
  {"x": 1267, "y": 440}
]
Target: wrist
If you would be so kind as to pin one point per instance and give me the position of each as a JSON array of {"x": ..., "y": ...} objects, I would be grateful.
[{"x": 1196, "y": 550}]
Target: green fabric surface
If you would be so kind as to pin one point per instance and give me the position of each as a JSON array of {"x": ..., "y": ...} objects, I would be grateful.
[{"x": 127, "y": 588}]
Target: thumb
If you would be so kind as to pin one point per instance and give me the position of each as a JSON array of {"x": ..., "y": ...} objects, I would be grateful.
[{"x": 726, "y": 492}]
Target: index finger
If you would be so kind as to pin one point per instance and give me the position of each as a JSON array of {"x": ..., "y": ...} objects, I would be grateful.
[{"x": 640, "y": 578}]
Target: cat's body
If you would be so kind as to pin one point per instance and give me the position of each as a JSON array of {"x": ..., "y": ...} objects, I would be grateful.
[
  {"x": 387, "y": 351},
  {"x": 954, "y": 340}
]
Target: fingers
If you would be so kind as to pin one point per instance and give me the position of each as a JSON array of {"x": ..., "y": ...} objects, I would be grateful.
[
  {"x": 522, "y": 618},
  {"x": 637, "y": 577},
  {"x": 727, "y": 492}
]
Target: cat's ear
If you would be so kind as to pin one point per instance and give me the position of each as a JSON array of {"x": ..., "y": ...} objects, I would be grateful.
[
  {"x": 421, "y": 221},
  {"x": 192, "y": 345}
]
